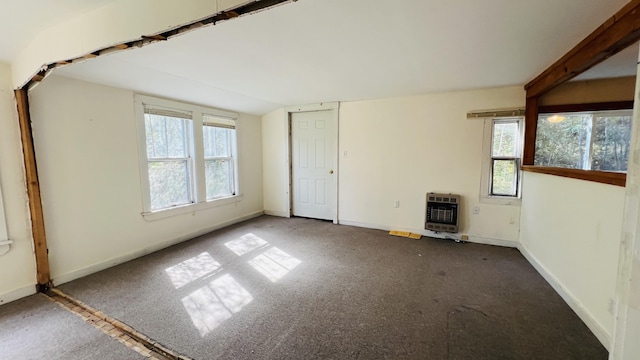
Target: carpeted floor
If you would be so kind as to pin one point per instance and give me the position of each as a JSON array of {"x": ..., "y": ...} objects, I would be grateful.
[
  {"x": 35, "y": 328},
  {"x": 275, "y": 288}
]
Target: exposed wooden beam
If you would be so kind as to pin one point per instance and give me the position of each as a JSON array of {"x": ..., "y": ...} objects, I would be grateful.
[
  {"x": 604, "y": 177},
  {"x": 155, "y": 37},
  {"x": 33, "y": 191},
  {"x": 530, "y": 128},
  {"x": 228, "y": 15},
  {"x": 602, "y": 106},
  {"x": 616, "y": 34},
  {"x": 39, "y": 76}
]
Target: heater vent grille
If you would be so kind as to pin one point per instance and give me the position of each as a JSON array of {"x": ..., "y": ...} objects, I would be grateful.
[{"x": 442, "y": 212}]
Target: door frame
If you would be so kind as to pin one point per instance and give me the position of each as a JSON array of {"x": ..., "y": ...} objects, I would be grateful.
[{"x": 334, "y": 107}]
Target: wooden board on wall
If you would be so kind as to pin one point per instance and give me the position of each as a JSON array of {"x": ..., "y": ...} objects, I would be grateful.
[{"x": 33, "y": 190}]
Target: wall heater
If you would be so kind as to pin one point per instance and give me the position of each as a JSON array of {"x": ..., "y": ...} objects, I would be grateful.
[{"x": 442, "y": 212}]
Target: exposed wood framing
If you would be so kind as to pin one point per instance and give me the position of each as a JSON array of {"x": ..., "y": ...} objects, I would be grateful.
[
  {"x": 246, "y": 9},
  {"x": 154, "y": 37},
  {"x": 530, "y": 127},
  {"x": 38, "y": 77},
  {"x": 603, "y": 106},
  {"x": 617, "y": 33},
  {"x": 33, "y": 191}
]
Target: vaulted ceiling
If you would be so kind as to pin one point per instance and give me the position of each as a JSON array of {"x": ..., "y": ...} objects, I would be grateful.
[{"x": 340, "y": 50}]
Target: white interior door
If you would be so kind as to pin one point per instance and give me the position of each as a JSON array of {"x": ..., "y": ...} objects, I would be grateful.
[{"x": 313, "y": 147}]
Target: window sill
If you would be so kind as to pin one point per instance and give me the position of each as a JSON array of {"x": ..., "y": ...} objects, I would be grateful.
[
  {"x": 190, "y": 208},
  {"x": 500, "y": 200},
  {"x": 604, "y": 177}
]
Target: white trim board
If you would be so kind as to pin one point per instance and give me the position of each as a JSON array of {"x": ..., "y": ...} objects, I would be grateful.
[
  {"x": 77, "y": 274},
  {"x": 18, "y": 293},
  {"x": 596, "y": 328},
  {"x": 428, "y": 233}
]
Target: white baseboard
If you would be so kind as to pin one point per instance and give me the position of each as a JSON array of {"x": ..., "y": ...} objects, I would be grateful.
[
  {"x": 472, "y": 239},
  {"x": 277, "y": 213},
  {"x": 76, "y": 274},
  {"x": 596, "y": 328},
  {"x": 365, "y": 225},
  {"x": 17, "y": 294},
  {"x": 423, "y": 232}
]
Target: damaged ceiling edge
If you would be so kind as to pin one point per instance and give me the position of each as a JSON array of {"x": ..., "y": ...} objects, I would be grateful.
[{"x": 239, "y": 11}]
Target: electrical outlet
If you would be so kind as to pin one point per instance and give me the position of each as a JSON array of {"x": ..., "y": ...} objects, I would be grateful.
[
  {"x": 396, "y": 204},
  {"x": 464, "y": 237},
  {"x": 476, "y": 210}
]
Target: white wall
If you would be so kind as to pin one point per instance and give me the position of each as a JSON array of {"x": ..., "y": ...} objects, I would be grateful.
[
  {"x": 570, "y": 231},
  {"x": 275, "y": 163},
  {"x": 625, "y": 343},
  {"x": 87, "y": 154},
  {"x": 400, "y": 149},
  {"x": 118, "y": 21},
  {"x": 17, "y": 267}
]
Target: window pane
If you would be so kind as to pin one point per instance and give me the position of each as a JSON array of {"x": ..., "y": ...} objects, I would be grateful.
[
  {"x": 166, "y": 137},
  {"x": 505, "y": 139},
  {"x": 219, "y": 178},
  {"x": 156, "y": 137},
  {"x": 504, "y": 179},
  {"x": 563, "y": 141},
  {"x": 176, "y": 138},
  {"x": 217, "y": 141},
  {"x": 611, "y": 143},
  {"x": 169, "y": 183}
]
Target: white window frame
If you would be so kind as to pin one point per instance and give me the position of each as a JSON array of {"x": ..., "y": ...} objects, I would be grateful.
[
  {"x": 198, "y": 185},
  {"x": 223, "y": 123},
  {"x": 487, "y": 163}
]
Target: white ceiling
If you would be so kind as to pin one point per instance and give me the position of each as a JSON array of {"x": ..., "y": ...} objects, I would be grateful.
[
  {"x": 22, "y": 20},
  {"x": 340, "y": 50}
]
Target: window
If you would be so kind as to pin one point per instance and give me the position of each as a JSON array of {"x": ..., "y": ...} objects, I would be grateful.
[
  {"x": 502, "y": 159},
  {"x": 505, "y": 158},
  {"x": 188, "y": 154},
  {"x": 169, "y": 137},
  {"x": 596, "y": 140},
  {"x": 219, "y": 136}
]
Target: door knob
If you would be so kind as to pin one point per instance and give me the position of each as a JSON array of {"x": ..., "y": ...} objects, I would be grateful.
[{"x": 330, "y": 171}]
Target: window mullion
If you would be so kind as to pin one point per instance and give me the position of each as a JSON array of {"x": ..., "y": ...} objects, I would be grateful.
[
  {"x": 491, "y": 175},
  {"x": 586, "y": 163},
  {"x": 198, "y": 135},
  {"x": 234, "y": 158}
]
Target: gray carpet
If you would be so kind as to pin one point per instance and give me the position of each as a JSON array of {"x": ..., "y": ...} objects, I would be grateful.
[
  {"x": 275, "y": 288},
  {"x": 35, "y": 328}
]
